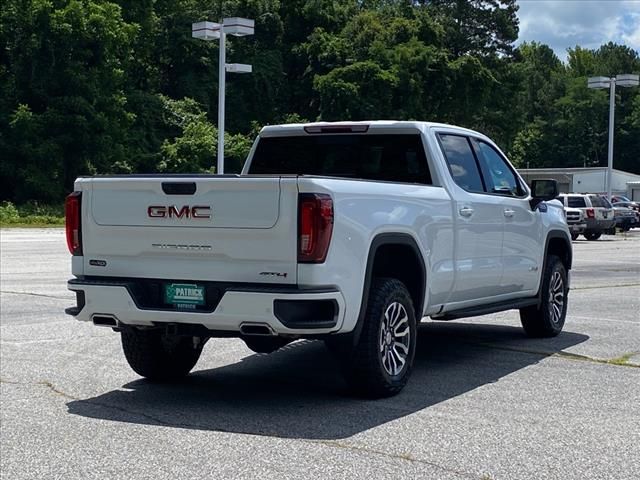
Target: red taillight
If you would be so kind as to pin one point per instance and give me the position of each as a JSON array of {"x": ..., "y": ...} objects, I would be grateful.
[
  {"x": 591, "y": 213},
  {"x": 315, "y": 217},
  {"x": 72, "y": 222}
]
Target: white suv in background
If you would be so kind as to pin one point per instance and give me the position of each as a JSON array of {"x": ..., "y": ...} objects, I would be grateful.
[
  {"x": 597, "y": 211},
  {"x": 576, "y": 221}
]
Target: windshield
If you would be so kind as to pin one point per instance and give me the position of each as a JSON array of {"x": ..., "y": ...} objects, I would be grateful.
[{"x": 576, "y": 202}]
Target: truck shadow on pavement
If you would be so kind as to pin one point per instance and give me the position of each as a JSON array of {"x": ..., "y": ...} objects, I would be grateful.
[{"x": 298, "y": 392}]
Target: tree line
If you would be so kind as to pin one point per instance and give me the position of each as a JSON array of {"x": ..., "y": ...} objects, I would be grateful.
[{"x": 119, "y": 86}]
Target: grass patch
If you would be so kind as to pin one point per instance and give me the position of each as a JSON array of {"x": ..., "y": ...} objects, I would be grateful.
[
  {"x": 622, "y": 360},
  {"x": 31, "y": 215}
]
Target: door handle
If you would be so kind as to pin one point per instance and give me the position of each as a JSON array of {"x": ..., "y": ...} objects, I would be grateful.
[
  {"x": 466, "y": 211},
  {"x": 509, "y": 213}
]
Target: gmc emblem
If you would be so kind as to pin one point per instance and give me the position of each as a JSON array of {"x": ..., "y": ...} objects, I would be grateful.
[{"x": 160, "y": 211}]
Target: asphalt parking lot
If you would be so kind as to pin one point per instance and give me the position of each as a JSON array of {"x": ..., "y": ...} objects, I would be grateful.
[{"x": 484, "y": 402}]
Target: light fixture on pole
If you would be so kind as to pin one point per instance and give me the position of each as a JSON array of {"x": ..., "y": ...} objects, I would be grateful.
[
  {"x": 624, "y": 80},
  {"x": 238, "y": 27}
]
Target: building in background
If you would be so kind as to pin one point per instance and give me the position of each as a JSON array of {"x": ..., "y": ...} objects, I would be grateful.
[{"x": 587, "y": 180}]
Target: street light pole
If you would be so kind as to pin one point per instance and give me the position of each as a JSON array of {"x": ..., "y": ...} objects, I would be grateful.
[
  {"x": 235, "y": 26},
  {"x": 612, "y": 112},
  {"x": 624, "y": 80},
  {"x": 222, "y": 77}
]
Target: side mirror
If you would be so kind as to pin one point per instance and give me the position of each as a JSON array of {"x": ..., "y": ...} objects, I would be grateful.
[{"x": 543, "y": 190}]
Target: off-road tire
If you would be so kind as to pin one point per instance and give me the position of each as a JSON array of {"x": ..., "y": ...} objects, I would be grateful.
[
  {"x": 592, "y": 236},
  {"x": 363, "y": 367},
  {"x": 547, "y": 318},
  {"x": 157, "y": 356}
]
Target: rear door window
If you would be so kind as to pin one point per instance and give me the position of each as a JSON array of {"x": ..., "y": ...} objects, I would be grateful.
[
  {"x": 462, "y": 162},
  {"x": 598, "y": 201}
]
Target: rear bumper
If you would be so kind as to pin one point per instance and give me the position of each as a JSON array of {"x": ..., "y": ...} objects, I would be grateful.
[
  {"x": 626, "y": 222},
  {"x": 594, "y": 225},
  {"x": 284, "y": 311},
  {"x": 577, "y": 227}
]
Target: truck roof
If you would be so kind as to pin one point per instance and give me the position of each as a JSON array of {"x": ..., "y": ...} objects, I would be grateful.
[{"x": 298, "y": 128}]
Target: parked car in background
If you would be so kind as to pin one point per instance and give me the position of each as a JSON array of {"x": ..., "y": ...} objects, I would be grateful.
[
  {"x": 576, "y": 221},
  {"x": 622, "y": 198},
  {"x": 597, "y": 211},
  {"x": 635, "y": 206},
  {"x": 626, "y": 218}
]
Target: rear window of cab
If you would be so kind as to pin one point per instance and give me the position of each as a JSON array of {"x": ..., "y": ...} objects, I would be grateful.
[{"x": 391, "y": 158}]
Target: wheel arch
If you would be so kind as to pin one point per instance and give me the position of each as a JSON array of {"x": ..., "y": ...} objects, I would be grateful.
[
  {"x": 403, "y": 247},
  {"x": 557, "y": 243}
]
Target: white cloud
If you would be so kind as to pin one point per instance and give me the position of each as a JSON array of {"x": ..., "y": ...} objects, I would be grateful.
[
  {"x": 563, "y": 24},
  {"x": 631, "y": 35}
]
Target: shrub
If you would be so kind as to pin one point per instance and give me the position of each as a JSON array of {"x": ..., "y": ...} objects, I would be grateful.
[{"x": 31, "y": 214}]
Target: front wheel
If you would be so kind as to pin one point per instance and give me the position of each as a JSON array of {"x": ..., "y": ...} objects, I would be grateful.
[
  {"x": 160, "y": 357},
  {"x": 592, "y": 236},
  {"x": 380, "y": 363},
  {"x": 547, "y": 318},
  {"x": 574, "y": 236}
]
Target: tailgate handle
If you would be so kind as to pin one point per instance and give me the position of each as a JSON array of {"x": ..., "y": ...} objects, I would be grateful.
[{"x": 179, "y": 188}]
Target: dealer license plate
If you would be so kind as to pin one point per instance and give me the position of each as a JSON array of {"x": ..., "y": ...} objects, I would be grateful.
[{"x": 184, "y": 295}]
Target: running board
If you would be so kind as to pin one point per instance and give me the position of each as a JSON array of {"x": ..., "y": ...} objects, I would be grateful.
[{"x": 486, "y": 309}]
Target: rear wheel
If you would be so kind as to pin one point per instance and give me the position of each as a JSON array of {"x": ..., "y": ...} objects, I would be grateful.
[
  {"x": 380, "y": 363},
  {"x": 592, "y": 235},
  {"x": 158, "y": 356},
  {"x": 547, "y": 319}
]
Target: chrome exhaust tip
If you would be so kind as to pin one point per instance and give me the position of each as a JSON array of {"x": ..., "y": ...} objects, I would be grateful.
[
  {"x": 259, "y": 329},
  {"x": 105, "y": 321}
]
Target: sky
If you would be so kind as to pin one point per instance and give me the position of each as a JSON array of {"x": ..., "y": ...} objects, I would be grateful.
[{"x": 563, "y": 24}]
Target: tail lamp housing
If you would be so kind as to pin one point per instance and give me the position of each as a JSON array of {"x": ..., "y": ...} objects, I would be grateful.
[
  {"x": 72, "y": 216},
  {"x": 315, "y": 226}
]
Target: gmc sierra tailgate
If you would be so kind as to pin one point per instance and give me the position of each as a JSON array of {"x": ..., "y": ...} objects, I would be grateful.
[{"x": 231, "y": 229}]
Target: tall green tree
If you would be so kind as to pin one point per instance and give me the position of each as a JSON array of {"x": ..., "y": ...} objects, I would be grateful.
[
  {"x": 476, "y": 27},
  {"x": 108, "y": 86},
  {"x": 64, "y": 111}
]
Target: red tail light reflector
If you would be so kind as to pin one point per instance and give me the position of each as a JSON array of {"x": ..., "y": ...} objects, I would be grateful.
[
  {"x": 72, "y": 222},
  {"x": 315, "y": 226},
  {"x": 591, "y": 213}
]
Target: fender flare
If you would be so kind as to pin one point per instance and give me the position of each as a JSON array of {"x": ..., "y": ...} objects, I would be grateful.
[
  {"x": 377, "y": 242},
  {"x": 562, "y": 235}
]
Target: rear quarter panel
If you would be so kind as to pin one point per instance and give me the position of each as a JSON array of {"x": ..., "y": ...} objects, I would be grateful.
[{"x": 365, "y": 209}]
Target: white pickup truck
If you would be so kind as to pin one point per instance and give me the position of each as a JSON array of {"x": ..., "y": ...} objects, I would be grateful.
[{"x": 349, "y": 233}]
